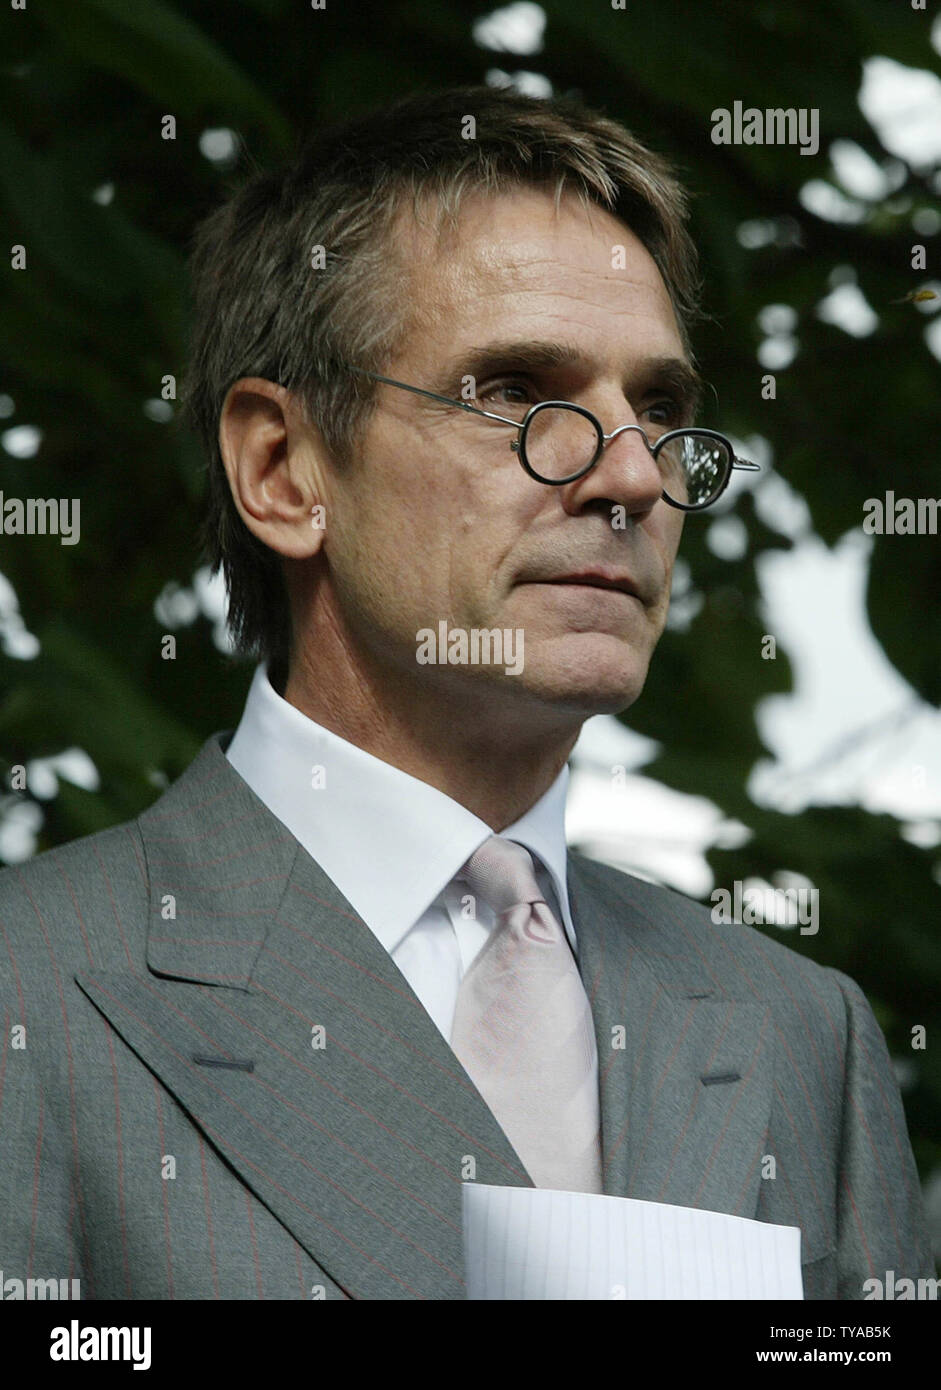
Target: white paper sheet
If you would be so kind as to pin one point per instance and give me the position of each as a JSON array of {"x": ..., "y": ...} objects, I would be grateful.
[{"x": 536, "y": 1243}]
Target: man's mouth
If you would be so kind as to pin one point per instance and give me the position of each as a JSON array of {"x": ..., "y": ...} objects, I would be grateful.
[{"x": 598, "y": 579}]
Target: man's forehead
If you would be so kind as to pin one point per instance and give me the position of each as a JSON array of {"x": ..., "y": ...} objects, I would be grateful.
[{"x": 527, "y": 254}]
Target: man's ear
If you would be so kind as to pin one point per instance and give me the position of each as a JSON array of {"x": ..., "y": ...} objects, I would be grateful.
[{"x": 276, "y": 465}]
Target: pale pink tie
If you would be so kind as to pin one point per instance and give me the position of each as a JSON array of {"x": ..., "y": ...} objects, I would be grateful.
[{"x": 523, "y": 1028}]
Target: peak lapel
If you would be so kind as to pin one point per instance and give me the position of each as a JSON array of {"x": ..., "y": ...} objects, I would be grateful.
[
  {"x": 321, "y": 1079},
  {"x": 685, "y": 1070}
]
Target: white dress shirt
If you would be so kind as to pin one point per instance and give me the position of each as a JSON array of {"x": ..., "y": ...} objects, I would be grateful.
[{"x": 391, "y": 843}]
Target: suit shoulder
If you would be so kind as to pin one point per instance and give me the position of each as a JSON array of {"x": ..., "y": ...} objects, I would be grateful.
[
  {"x": 742, "y": 959},
  {"x": 77, "y": 899}
]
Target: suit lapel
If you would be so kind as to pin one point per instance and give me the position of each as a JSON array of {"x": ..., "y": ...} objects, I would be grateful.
[
  {"x": 685, "y": 1070},
  {"x": 287, "y": 1033}
]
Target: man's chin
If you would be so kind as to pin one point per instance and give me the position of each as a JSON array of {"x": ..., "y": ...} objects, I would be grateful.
[
  {"x": 584, "y": 701},
  {"x": 571, "y": 676},
  {"x": 599, "y": 682}
]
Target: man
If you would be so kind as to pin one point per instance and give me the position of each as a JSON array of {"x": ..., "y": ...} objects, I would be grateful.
[{"x": 345, "y": 964}]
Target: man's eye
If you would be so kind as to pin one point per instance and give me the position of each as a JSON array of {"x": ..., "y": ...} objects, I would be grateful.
[
  {"x": 508, "y": 393},
  {"x": 665, "y": 412}
]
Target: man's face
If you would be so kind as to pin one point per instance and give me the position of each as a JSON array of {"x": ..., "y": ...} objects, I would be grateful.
[{"x": 436, "y": 519}]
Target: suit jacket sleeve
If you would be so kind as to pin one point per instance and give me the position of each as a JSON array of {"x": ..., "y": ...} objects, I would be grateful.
[
  {"x": 36, "y": 1208},
  {"x": 881, "y": 1220}
]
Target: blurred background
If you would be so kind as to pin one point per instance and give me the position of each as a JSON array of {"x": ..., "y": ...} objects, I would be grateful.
[{"x": 809, "y": 760}]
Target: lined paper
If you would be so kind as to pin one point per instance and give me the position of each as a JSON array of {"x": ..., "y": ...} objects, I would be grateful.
[{"x": 523, "y": 1243}]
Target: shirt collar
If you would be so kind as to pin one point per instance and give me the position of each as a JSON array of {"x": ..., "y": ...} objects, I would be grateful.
[{"x": 390, "y": 842}]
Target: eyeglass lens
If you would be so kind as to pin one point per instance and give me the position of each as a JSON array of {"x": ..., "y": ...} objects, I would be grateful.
[{"x": 559, "y": 442}]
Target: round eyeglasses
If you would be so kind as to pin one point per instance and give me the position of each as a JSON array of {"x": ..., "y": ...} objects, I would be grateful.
[{"x": 559, "y": 442}]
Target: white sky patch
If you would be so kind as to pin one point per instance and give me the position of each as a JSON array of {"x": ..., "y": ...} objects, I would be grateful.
[
  {"x": 926, "y": 834},
  {"x": 516, "y": 28},
  {"x": 213, "y": 601},
  {"x": 756, "y": 449},
  {"x": 929, "y": 307},
  {"x": 103, "y": 194},
  {"x": 727, "y": 537},
  {"x": 604, "y": 743},
  {"x": 531, "y": 84},
  {"x": 685, "y": 599},
  {"x": 780, "y": 507},
  {"x": 780, "y": 346},
  {"x": 768, "y": 231},
  {"x": 22, "y": 441},
  {"x": 176, "y": 606},
  {"x": 74, "y": 764},
  {"x": 209, "y": 589},
  {"x": 756, "y": 232},
  {"x": 860, "y": 176},
  {"x": 179, "y": 606},
  {"x": 933, "y": 338},
  {"x": 15, "y": 640},
  {"x": 778, "y": 352},
  {"x": 777, "y": 318},
  {"x": 905, "y": 766},
  {"x": 847, "y": 308},
  {"x": 636, "y": 823},
  {"x": 903, "y": 105},
  {"x": 20, "y": 824},
  {"x": 847, "y": 695},
  {"x": 823, "y": 200},
  {"x": 219, "y": 144}
]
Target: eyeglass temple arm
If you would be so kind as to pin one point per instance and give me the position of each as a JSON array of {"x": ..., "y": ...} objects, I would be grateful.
[
  {"x": 433, "y": 396},
  {"x": 746, "y": 466}
]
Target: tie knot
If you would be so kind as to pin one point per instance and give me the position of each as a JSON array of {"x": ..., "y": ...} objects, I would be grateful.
[{"x": 502, "y": 873}]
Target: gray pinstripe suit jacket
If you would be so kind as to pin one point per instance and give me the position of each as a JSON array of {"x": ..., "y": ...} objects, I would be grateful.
[{"x": 169, "y": 1131}]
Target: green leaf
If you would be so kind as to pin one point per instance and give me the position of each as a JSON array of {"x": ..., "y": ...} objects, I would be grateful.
[{"x": 158, "y": 51}]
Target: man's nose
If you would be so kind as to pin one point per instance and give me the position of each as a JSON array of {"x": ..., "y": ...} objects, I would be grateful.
[{"x": 626, "y": 473}]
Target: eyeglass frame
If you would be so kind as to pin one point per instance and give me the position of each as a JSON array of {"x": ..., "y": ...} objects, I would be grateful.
[{"x": 519, "y": 445}]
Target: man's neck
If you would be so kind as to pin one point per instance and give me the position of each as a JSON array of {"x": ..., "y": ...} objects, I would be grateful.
[{"x": 495, "y": 766}]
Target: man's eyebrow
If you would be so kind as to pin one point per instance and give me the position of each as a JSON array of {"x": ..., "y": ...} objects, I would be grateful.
[
  {"x": 533, "y": 356},
  {"x": 680, "y": 376},
  {"x": 526, "y": 355}
]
